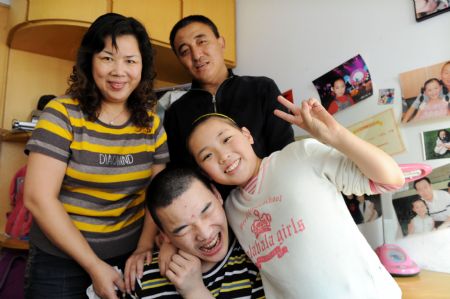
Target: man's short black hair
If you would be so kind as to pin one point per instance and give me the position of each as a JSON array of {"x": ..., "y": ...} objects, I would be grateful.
[
  {"x": 422, "y": 179},
  {"x": 169, "y": 184},
  {"x": 187, "y": 21}
]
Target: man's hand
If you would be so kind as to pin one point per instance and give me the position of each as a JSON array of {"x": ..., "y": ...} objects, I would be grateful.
[
  {"x": 105, "y": 279},
  {"x": 185, "y": 272},
  {"x": 134, "y": 268}
]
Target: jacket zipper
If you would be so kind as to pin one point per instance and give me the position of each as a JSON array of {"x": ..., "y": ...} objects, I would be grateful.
[
  {"x": 214, "y": 100},
  {"x": 214, "y": 103},
  {"x": 214, "y": 96}
]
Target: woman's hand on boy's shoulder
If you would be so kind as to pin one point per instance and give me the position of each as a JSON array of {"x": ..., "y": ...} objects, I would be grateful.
[{"x": 134, "y": 267}]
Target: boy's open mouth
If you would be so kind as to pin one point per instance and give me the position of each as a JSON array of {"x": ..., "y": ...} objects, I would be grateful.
[{"x": 213, "y": 246}]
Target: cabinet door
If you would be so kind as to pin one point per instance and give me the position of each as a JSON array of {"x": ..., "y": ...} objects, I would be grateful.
[
  {"x": 158, "y": 16},
  {"x": 76, "y": 10},
  {"x": 223, "y": 14}
]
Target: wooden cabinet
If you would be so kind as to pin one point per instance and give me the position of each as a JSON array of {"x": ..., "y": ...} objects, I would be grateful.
[
  {"x": 52, "y": 27},
  {"x": 223, "y": 14},
  {"x": 75, "y": 10},
  {"x": 158, "y": 16},
  {"x": 55, "y": 28}
]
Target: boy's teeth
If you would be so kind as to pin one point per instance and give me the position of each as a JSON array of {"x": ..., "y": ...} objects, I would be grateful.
[{"x": 211, "y": 244}]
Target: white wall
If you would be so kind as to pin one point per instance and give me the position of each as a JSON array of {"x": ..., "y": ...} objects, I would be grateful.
[{"x": 296, "y": 41}]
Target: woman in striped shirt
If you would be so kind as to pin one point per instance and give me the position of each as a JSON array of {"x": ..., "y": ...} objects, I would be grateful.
[{"x": 91, "y": 158}]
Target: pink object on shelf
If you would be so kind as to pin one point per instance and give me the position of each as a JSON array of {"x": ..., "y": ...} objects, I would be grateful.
[{"x": 396, "y": 261}]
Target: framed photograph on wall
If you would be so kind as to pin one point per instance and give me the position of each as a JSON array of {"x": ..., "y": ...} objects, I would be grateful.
[
  {"x": 403, "y": 202},
  {"x": 436, "y": 144},
  {"x": 426, "y": 9},
  {"x": 345, "y": 85},
  {"x": 425, "y": 93},
  {"x": 423, "y": 214}
]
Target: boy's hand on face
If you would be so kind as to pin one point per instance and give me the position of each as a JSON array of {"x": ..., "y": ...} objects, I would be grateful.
[
  {"x": 313, "y": 118},
  {"x": 185, "y": 272}
]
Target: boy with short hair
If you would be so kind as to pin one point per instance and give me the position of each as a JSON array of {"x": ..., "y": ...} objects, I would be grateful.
[
  {"x": 288, "y": 213},
  {"x": 209, "y": 262}
]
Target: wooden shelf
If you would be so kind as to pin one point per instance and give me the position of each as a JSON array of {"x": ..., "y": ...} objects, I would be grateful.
[
  {"x": 7, "y": 242},
  {"x": 427, "y": 284},
  {"x": 59, "y": 39},
  {"x": 10, "y": 136}
]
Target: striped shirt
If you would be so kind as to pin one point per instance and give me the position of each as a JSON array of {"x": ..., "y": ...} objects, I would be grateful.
[
  {"x": 108, "y": 170},
  {"x": 234, "y": 277}
]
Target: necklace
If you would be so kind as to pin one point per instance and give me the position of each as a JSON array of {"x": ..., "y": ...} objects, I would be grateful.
[{"x": 111, "y": 121}]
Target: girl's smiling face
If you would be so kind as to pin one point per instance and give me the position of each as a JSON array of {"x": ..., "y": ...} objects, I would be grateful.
[
  {"x": 224, "y": 152},
  {"x": 433, "y": 90}
]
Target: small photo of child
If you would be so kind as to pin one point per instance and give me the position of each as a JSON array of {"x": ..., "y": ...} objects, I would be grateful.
[
  {"x": 386, "y": 96},
  {"x": 425, "y": 93},
  {"x": 345, "y": 85}
]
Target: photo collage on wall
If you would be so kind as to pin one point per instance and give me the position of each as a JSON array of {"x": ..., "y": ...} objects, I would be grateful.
[{"x": 345, "y": 85}]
